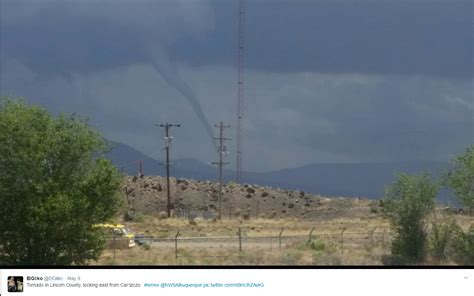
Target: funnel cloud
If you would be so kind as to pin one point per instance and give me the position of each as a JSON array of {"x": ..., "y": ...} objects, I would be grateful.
[{"x": 167, "y": 69}]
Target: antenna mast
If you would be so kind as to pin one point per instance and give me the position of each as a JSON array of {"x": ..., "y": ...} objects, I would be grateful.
[{"x": 240, "y": 89}]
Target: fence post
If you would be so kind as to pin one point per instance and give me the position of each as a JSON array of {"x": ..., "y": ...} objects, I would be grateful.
[
  {"x": 115, "y": 245},
  {"x": 342, "y": 239},
  {"x": 176, "y": 245},
  {"x": 149, "y": 249},
  {"x": 279, "y": 238},
  {"x": 383, "y": 237},
  {"x": 240, "y": 240},
  {"x": 257, "y": 208},
  {"x": 310, "y": 238}
]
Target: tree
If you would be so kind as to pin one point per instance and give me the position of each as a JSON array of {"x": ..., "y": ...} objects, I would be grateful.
[
  {"x": 54, "y": 186},
  {"x": 461, "y": 178},
  {"x": 464, "y": 246},
  {"x": 407, "y": 203}
]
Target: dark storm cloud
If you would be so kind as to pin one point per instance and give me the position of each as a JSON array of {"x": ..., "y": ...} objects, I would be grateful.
[
  {"x": 427, "y": 37},
  {"x": 81, "y": 36},
  {"x": 67, "y": 37},
  {"x": 393, "y": 118},
  {"x": 125, "y": 62},
  {"x": 431, "y": 37}
]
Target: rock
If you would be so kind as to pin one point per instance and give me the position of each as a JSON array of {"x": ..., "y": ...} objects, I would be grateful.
[
  {"x": 302, "y": 193},
  {"x": 162, "y": 215},
  {"x": 249, "y": 195},
  {"x": 264, "y": 194},
  {"x": 250, "y": 190},
  {"x": 291, "y": 205},
  {"x": 183, "y": 187}
]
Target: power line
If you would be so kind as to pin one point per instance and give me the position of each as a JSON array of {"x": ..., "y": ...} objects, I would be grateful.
[
  {"x": 222, "y": 150},
  {"x": 168, "y": 140}
]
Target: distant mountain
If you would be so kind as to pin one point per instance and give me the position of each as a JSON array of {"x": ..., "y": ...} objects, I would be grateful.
[
  {"x": 332, "y": 179},
  {"x": 126, "y": 158},
  {"x": 356, "y": 180}
]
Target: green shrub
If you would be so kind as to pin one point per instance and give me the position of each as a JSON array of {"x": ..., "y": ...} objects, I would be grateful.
[
  {"x": 407, "y": 203},
  {"x": 441, "y": 238},
  {"x": 463, "y": 247},
  {"x": 461, "y": 178},
  {"x": 317, "y": 245},
  {"x": 55, "y": 185},
  {"x": 139, "y": 217}
]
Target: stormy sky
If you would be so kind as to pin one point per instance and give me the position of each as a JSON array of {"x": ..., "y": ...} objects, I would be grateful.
[{"x": 325, "y": 80}]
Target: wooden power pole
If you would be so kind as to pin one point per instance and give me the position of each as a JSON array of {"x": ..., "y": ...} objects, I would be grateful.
[
  {"x": 222, "y": 150},
  {"x": 168, "y": 139}
]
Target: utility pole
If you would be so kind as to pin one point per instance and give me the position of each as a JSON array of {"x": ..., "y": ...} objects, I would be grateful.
[
  {"x": 140, "y": 168},
  {"x": 168, "y": 139},
  {"x": 222, "y": 150},
  {"x": 240, "y": 89}
]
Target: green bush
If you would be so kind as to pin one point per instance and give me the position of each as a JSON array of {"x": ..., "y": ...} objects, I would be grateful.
[
  {"x": 441, "y": 239},
  {"x": 461, "y": 178},
  {"x": 139, "y": 218},
  {"x": 55, "y": 185},
  {"x": 463, "y": 247},
  {"x": 317, "y": 245},
  {"x": 407, "y": 203}
]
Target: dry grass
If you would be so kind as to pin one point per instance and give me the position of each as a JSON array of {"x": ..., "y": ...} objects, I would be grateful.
[
  {"x": 255, "y": 227},
  {"x": 299, "y": 254},
  {"x": 357, "y": 247},
  {"x": 326, "y": 248}
]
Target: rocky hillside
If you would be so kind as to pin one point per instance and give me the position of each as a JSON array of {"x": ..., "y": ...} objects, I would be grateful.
[{"x": 190, "y": 198}]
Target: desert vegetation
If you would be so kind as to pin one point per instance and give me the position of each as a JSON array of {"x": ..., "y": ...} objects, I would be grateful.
[{"x": 56, "y": 185}]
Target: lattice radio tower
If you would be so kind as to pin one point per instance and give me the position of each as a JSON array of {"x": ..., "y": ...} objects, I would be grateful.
[{"x": 240, "y": 88}]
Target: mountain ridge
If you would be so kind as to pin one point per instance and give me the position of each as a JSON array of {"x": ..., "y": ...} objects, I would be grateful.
[{"x": 331, "y": 179}]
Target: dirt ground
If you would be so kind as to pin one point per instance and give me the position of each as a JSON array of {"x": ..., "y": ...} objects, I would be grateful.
[
  {"x": 191, "y": 198},
  {"x": 344, "y": 231}
]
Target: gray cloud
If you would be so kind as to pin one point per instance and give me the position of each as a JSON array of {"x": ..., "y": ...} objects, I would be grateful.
[
  {"x": 325, "y": 81},
  {"x": 60, "y": 37},
  {"x": 291, "y": 119},
  {"x": 407, "y": 37},
  {"x": 426, "y": 37},
  {"x": 81, "y": 37}
]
